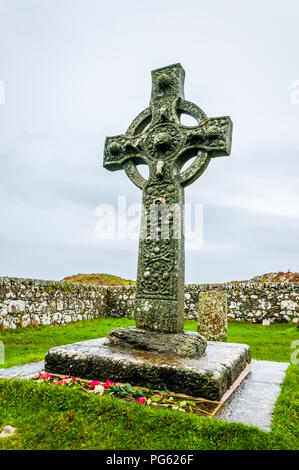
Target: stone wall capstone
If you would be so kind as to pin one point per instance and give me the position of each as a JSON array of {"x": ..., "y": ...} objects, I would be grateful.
[{"x": 25, "y": 302}]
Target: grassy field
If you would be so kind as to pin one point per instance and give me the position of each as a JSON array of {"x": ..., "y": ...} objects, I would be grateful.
[
  {"x": 41, "y": 413},
  {"x": 24, "y": 345}
]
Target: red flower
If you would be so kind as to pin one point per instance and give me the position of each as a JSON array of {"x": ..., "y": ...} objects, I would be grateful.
[
  {"x": 93, "y": 384},
  {"x": 108, "y": 384},
  {"x": 141, "y": 400}
]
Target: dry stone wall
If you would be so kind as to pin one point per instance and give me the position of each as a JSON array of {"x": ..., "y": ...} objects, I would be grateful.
[
  {"x": 25, "y": 302},
  {"x": 255, "y": 302}
]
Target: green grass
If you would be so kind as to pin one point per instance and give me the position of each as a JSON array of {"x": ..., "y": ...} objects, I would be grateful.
[
  {"x": 268, "y": 343},
  {"x": 40, "y": 413},
  {"x": 24, "y": 345}
]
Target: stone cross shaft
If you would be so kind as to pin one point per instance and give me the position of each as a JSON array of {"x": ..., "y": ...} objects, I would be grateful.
[{"x": 158, "y": 139}]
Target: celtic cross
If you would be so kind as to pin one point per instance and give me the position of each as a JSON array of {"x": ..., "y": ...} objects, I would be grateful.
[{"x": 158, "y": 139}]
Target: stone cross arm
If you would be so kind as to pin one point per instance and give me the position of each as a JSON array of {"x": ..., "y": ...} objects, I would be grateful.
[{"x": 158, "y": 139}]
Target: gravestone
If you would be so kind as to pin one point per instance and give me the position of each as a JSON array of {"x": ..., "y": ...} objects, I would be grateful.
[
  {"x": 158, "y": 352},
  {"x": 212, "y": 315}
]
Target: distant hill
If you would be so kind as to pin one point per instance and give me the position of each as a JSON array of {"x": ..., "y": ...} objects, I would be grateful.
[
  {"x": 99, "y": 279},
  {"x": 111, "y": 280},
  {"x": 275, "y": 277}
]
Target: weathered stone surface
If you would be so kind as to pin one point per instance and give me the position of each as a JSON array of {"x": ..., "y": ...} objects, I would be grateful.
[
  {"x": 254, "y": 400},
  {"x": 25, "y": 302},
  {"x": 255, "y": 302},
  {"x": 24, "y": 370},
  {"x": 157, "y": 139},
  {"x": 212, "y": 315},
  {"x": 185, "y": 344},
  {"x": 208, "y": 376}
]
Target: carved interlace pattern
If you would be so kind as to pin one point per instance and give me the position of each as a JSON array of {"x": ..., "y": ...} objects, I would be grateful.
[{"x": 157, "y": 138}]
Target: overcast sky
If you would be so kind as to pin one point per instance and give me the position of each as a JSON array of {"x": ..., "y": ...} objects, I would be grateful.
[{"x": 75, "y": 71}]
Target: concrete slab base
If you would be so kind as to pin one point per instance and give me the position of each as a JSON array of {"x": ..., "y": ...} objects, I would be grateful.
[
  {"x": 16, "y": 372},
  {"x": 254, "y": 400},
  {"x": 208, "y": 376}
]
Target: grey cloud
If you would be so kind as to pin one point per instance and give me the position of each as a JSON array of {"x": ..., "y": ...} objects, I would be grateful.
[{"x": 76, "y": 71}]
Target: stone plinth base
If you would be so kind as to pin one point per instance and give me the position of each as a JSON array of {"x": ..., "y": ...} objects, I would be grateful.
[
  {"x": 185, "y": 344},
  {"x": 208, "y": 376}
]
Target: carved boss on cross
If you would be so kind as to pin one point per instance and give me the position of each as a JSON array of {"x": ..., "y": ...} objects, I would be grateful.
[{"x": 157, "y": 135}]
